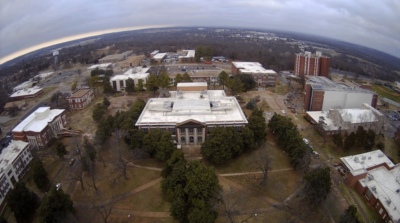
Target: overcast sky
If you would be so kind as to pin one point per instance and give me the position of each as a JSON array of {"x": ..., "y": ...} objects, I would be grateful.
[{"x": 26, "y": 25}]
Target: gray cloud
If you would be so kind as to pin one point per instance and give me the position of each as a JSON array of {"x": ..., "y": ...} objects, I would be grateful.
[{"x": 375, "y": 24}]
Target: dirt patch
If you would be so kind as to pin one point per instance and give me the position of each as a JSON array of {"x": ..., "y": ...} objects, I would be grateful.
[{"x": 387, "y": 92}]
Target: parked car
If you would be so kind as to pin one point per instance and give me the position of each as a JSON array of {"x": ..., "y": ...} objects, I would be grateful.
[
  {"x": 316, "y": 154},
  {"x": 306, "y": 141}
]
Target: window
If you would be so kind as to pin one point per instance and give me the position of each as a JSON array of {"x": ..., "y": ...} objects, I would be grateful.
[
  {"x": 9, "y": 173},
  {"x": 183, "y": 139},
  {"x": 191, "y": 139},
  {"x": 380, "y": 211},
  {"x": 163, "y": 129},
  {"x": 171, "y": 130},
  {"x": 239, "y": 128},
  {"x": 368, "y": 194},
  {"x": 190, "y": 129},
  {"x": 145, "y": 130},
  {"x": 199, "y": 130},
  {"x": 209, "y": 129},
  {"x": 199, "y": 139},
  {"x": 182, "y": 129}
]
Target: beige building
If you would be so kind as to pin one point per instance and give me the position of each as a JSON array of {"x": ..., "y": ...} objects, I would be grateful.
[
  {"x": 191, "y": 112},
  {"x": 115, "y": 57}
]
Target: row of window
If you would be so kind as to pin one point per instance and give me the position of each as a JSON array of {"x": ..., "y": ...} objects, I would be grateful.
[{"x": 191, "y": 139}]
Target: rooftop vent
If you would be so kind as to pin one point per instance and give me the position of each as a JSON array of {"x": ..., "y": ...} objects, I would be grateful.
[
  {"x": 356, "y": 159},
  {"x": 370, "y": 177},
  {"x": 380, "y": 155},
  {"x": 373, "y": 188},
  {"x": 388, "y": 201}
]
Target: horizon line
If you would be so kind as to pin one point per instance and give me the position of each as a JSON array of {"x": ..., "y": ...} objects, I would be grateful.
[{"x": 31, "y": 49}]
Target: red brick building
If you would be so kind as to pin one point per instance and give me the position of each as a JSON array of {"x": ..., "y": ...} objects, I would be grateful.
[
  {"x": 80, "y": 98},
  {"x": 377, "y": 178},
  {"x": 40, "y": 126},
  {"x": 262, "y": 76},
  {"x": 309, "y": 64}
]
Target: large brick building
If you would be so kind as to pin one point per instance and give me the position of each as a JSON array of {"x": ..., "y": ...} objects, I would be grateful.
[
  {"x": 377, "y": 178},
  {"x": 14, "y": 160},
  {"x": 26, "y": 93},
  {"x": 40, "y": 126},
  {"x": 262, "y": 76},
  {"x": 322, "y": 94},
  {"x": 80, "y": 98},
  {"x": 311, "y": 64}
]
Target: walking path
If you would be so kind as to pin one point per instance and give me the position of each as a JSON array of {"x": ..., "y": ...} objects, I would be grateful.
[{"x": 250, "y": 173}]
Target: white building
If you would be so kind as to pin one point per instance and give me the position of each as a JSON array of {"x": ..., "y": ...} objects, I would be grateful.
[
  {"x": 376, "y": 178},
  {"x": 263, "y": 77},
  {"x": 189, "y": 114},
  {"x": 26, "y": 93},
  {"x": 119, "y": 81},
  {"x": 187, "y": 57},
  {"x": 14, "y": 160},
  {"x": 159, "y": 57},
  {"x": 100, "y": 66},
  {"x": 322, "y": 94},
  {"x": 348, "y": 119}
]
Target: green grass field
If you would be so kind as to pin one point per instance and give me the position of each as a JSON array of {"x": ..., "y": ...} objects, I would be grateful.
[{"x": 392, "y": 95}]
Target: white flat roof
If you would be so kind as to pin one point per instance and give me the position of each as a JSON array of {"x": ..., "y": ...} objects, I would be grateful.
[
  {"x": 44, "y": 75},
  {"x": 190, "y": 53},
  {"x": 9, "y": 154},
  {"x": 155, "y": 52},
  {"x": 27, "y": 91},
  {"x": 192, "y": 84},
  {"x": 186, "y": 105},
  {"x": 159, "y": 55},
  {"x": 103, "y": 65},
  {"x": 252, "y": 67},
  {"x": 385, "y": 186},
  {"x": 38, "y": 120},
  {"x": 330, "y": 125},
  {"x": 366, "y": 160},
  {"x": 133, "y": 73},
  {"x": 357, "y": 115}
]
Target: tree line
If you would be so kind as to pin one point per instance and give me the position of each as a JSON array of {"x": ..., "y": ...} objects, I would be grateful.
[{"x": 359, "y": 139}]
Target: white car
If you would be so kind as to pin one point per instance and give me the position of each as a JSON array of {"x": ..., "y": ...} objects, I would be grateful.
[
  {"x": 306, "y": 141},
  {"x": 58, "y": 186},
  {"x": 316, "y": 154}
]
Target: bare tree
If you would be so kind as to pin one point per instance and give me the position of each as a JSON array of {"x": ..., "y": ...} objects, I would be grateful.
[
  {"x": 93, "y": 175},
  {"x": 76, "y": 173},
  {"x": 102, "y": 206},
  {"x": 122, "y": 157},
  {"x": 235, "y": 204},
  {"x": 261, "y": 160}
]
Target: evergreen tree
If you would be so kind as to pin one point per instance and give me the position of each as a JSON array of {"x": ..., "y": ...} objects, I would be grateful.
[
  {"x": 318, "y": 184},
  {"x": 350, "y": 141},
  {"x": 350, "y": 215},
  {"x": 98, "y": 111},
  {"x": 258, "y": 126},
  {"x": 178, "y": 79},
  {"x": 235, "y": 85},
  {"x": 150, "y": 141},
  {"x": 152, "y": 83},
  {"x": 199, "y": 53},
  {"x": 22, "y": 202},
  {"x": 165, "y": 147},
  {"x": 337, "y": 138},
  {"x": 223, "y": 79},
  {"x": 40, "y": 175},
  {"x": 208, "y": 53},
  {"x": 106, "y": 102},
  {"x": 107, "y": 88},
  {"x": 369, "y": 140},
  {"x": 55, "y": 206},
  {"x": 186, "y": 78},
  {"x": 248, "y": 139},
  {"x": 361, "y": 136},
  {"x": 60, "y": 149},
  {"x": 130, "y": 85},
  {"x": 140, "y": 85},
  {"x": 136, "y": 139}
]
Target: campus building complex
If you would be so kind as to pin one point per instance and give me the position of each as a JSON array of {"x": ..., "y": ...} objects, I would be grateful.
[
  {"x": 40, "y": 126},
  {"x": 348, "y": 120},
  {"x": 115, "y": 57},
  {"x": 186, "y": 56},
  {"x": 14, "y": 160},
  {"x": 262, "y": 76},
  {"x": 322, "y": 94},
  {"x": 119, "y": 81},
  {"x": 191, "y": 112},
  {"x": 377, "y": 178},
  {"x": 311, "y": 64},
  {"x": 80, "y": 98}
]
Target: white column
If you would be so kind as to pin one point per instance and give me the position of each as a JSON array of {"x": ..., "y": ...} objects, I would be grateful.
[
  {"x": 195, "y": 136},
  {"x": 204, "y": 135},
  {"x": 179, "y": 135},
  {"x": 186, "y": 136}
]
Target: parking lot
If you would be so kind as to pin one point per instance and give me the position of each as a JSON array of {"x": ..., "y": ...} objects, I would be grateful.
[
  {"x": 179, "y": 68},
  {"x": 392, "y": 120}
]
